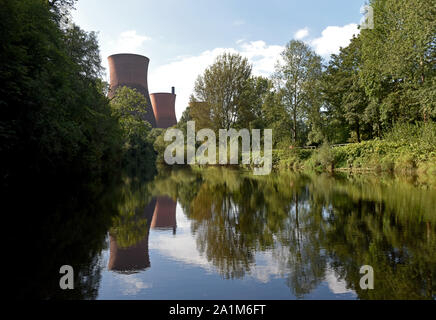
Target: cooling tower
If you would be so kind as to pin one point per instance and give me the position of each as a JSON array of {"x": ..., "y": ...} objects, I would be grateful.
[
  {"x": 131, "y": 70},
  {"x": 164, "y": 108}
]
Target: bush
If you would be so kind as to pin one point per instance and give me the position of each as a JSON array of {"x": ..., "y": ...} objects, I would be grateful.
[
  {"x": 420, "y": 134},
  {"x": 325, "y": 157}
]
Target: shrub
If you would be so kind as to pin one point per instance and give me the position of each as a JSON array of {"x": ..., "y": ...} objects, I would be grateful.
[{"x": 325, "y": 157}]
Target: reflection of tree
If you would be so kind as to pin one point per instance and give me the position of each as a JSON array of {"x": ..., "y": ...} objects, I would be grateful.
[
  {"x": 218, "y": 233},
  {"x": 130, "y": 224},
  {"x": 61, "y": 226},
  {"x": 130, "y": 229},
  {"x": 300, "y": 251},
  {"x": 311, "y": 223},
  {"x": 69, "y": 225},
  {"x": 361, "y": 231}
]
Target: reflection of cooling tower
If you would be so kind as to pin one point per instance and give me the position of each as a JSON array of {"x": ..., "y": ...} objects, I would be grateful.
[
  {"x": 129, "y": 260},
  {"x": 164, "y": 107},
  {"x": 164, "y": 214},
  {"x": 131, "y": 70},
  {"x": 134, "y": 258}
]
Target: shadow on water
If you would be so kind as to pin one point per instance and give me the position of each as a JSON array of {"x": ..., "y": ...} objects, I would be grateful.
[
  {"x": 60, "y": 222},
  {"x": 313, "y": 226}
]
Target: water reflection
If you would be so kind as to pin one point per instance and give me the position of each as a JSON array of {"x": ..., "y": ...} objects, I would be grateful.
[
  {"x": 310, "y": 231},
  {"x": 164, "y": 216},
  {"x": 134, "y": 256},
  {"x": 56, "y": 225},
  {"x": 187, "y": 232}
]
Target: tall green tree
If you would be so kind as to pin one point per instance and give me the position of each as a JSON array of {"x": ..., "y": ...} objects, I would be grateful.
[
  {"x": 295, "y": 76},
  {"x": 222, "y": 87},
  {"x": 344, "y": 95},
  {"x": 399, "y": 59}
]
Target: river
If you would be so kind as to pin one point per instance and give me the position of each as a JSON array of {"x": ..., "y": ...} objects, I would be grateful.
[{"x": 225, "y": 234}]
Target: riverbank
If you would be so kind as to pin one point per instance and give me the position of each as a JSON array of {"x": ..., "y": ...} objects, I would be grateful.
[
  {"x": 373, "y": 156},
  {"x": 376, "y": 155},
  {"x": 406, "y": 150}
]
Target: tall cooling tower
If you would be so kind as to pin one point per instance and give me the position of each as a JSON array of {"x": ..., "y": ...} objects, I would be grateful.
[
  {"x": 164, "y": 107},
  {"x": 131, "y": 70}
]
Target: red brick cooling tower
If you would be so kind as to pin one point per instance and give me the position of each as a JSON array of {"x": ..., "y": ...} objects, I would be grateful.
[
  {"x": 164, "y": 108},
  {"x": 131, "y": 70}
]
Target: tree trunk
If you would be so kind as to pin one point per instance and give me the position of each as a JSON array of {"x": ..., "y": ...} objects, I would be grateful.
[
  {"x": 424, "y": 116},
  {"x": 358, "y": 131},
  {"x": 295, "y": 126}
]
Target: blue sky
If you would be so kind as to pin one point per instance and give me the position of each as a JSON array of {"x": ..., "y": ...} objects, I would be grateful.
[{"x": 183, "y": 37}]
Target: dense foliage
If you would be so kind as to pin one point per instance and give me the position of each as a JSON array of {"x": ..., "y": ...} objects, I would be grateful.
[
  {"x": 55, "y": 117},
  {"x": 54, "y": 112},
  {"x": 129, "y": 108}
]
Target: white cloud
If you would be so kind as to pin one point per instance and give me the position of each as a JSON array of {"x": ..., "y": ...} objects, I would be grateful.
[
  {"x": 183, "y": 72},
  {"x": 262, "y": 56},
  {"x": 301, "y": 34},
  {"x": 129, "y": 41},
  {"x": 333, "y": 38},
  {"x": 335, "y": 284},
  {"x": 131, "y": 285}
]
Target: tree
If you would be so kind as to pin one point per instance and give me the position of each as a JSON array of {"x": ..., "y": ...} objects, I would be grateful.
[
  {"x": 201, "y": 113},
  {"x": 222, "y": 87},
  {"x": 249, "y": 111},
  {"x": 295, "y": 76},
  {"x": 54, "y": 116},
  {"x": 186, "y": 116},
  {"x": 61, "y": 8},
  {"x": 275, "y": 117},
  {"x": 128, "y": 102},
  {"x": 344, "y": 95},
  {"x": 399, "y": 57},
  {"x": 129, "y": 107}
]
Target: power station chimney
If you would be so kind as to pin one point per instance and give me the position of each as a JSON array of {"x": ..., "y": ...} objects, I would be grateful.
[
  {"x": 131, "y": 70},
  {"x": 173, "y": 90},
  {"x": 164, "y": 107}
]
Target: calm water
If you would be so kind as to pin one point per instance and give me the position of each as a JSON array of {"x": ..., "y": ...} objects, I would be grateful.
[{"x": 225, "y": 234}]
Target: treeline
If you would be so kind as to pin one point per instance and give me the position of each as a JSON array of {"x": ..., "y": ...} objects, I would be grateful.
[
  {"x": 55, "y": 116},
  {"x": 385, "y": 76}
]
